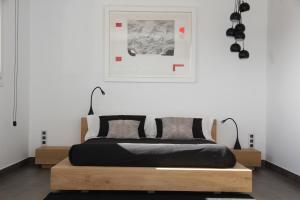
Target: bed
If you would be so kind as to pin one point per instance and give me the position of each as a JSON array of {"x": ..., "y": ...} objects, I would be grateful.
[{"x": 65, "y": 176}]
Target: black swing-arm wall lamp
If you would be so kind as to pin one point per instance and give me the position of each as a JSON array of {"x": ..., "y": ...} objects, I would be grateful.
[
  {"x": 91, "y": 111},
  {"x": 237, "y": 142}
]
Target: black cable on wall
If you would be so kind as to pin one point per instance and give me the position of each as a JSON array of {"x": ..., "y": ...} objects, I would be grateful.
[{"x": 16, "y": 62}]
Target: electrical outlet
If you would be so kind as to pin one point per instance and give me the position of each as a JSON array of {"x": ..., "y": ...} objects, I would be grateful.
[
  {"x": 251, "y": 140},
  {"x": 44, "y": 138}
]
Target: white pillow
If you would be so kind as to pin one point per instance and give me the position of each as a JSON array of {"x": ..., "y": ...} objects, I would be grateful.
[
  {"x": 207, "y": 127},
  {"x": 150, "y": 127},
  {"x": 93, "y": 122}
]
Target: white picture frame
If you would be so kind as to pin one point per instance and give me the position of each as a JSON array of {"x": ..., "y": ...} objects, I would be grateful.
[{"x": 150, "y": 44}]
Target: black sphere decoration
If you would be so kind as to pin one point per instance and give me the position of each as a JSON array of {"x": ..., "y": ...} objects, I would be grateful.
[
  {"x": 244, "y": 54},
  {"x": 240, "y": 27},
  {"x": 237, "y": 31},
  {"x": 230, "y": 32},
  {"x": 240, "y": 36},
  {"x": 235, "y": 17},
  {"x": 235, "y": 47},
  {"x": 244, "y": 7}
]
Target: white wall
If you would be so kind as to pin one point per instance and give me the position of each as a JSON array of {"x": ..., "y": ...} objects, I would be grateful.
[
  {"x": 283, "y": 125},
  {"x": 67, "y": 62},
  {"x": 14, "y": 140}
]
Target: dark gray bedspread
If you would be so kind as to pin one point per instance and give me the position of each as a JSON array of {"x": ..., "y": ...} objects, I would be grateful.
[{"x": 151, "y": 153}]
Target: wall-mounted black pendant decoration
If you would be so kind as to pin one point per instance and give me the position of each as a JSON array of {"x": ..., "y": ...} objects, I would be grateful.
[
  {"x": 235, "y": 17},
  {"x": 237, "y": 31},
  {"x": 239, "y": 36},
  {"x": 240, "y": 27},
  {"x": 244, "y": 54},
  {"x": 230, "y": 32},
  {"x": 235, "y": 48},
  {"x": 244, "y": 7}
]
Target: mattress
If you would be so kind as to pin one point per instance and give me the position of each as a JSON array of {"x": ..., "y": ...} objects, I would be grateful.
[{"x": 198, "y": 153}]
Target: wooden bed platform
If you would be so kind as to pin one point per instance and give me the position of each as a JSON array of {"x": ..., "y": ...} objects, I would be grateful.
[{"x": 64, "y": 176}]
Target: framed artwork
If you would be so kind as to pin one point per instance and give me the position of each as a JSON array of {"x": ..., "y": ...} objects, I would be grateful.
[{"x": 150, "y": 44}]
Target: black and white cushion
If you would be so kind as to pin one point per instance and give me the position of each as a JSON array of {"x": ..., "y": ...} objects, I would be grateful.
[
  {"x": 183, "y": 128},
  {"x": 105, "y": 124}
]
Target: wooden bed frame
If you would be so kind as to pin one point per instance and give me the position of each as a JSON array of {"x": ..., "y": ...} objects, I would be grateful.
[{"x": 64, "y": 176}]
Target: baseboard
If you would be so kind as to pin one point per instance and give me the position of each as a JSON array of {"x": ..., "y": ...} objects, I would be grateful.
[
  {"x": 27, "y": 161},
  {"x": 280, "y": 170}
]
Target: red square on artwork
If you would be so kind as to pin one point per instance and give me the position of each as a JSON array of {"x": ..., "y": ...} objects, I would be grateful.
[
  {"x": 182, "y": 30},
  {"x": 118, "y": 59},
  {"x": 118, "y": 24}
]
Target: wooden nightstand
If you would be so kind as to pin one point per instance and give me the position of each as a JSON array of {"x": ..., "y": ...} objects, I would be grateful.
[
  {"x": 248, "y": 157},
  {"x": 48, "y": 156}
]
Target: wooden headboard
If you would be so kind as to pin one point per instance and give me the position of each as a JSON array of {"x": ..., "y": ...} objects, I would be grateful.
[{"x": 84, "y": 129}]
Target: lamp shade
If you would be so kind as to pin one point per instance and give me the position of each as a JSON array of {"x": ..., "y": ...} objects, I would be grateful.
[
  {"x": 244, "y": 54},
  {"x": 239, "y": 35},
  {"x": 235, "y": 47},
  {"x": 244, "y": 7},
  {"x": 240, "y": 27},
  {"x": 230, "y": 32},
  {"x": 235, "y": 17}
]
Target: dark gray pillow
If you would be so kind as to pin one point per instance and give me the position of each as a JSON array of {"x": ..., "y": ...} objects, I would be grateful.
[
  {"x": 177, "y": 128},
  {"x": 123, "y": 129}
]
